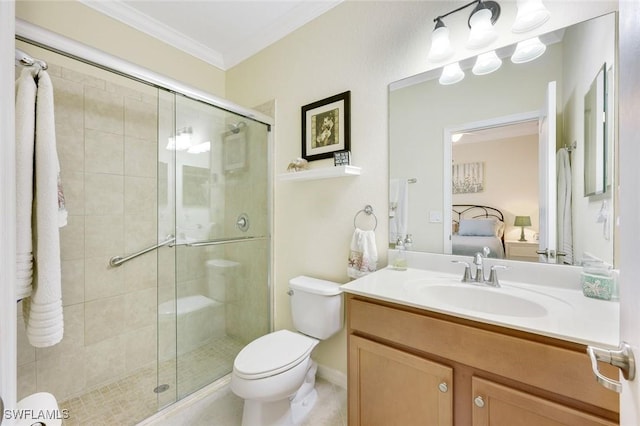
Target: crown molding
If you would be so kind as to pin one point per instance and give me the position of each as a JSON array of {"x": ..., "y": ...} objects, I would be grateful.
[{"x": 130, "y": 16}]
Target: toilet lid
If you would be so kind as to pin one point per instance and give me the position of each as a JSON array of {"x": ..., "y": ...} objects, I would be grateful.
[{"x": 272, "y": 354}]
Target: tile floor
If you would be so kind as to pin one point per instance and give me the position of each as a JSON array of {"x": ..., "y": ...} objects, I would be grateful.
[
  {"x": 225, "y": 409},
  {"x": 130, "y": 400}
]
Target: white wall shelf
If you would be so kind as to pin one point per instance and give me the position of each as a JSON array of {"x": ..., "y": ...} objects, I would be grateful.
[{"x": 321, "y": 173}]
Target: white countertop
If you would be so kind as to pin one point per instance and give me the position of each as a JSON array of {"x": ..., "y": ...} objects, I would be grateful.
[{"x": 563, "y": 313}]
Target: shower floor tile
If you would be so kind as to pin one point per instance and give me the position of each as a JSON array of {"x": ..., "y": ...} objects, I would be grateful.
[{"x": 132, "y": 399}]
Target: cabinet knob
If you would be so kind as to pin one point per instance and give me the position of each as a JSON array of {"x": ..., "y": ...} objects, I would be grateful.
[
  {"x": 443, "y": 387},
  {"x": 479, "y": 401}
]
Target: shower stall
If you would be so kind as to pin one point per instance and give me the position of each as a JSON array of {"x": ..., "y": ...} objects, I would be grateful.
[{"x": 166, "y": 255}]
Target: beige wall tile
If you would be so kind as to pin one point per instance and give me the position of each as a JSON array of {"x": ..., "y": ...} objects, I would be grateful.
[
  {"x": 140, "y": 119},
  {"x": 103, "y": 111},
  {"x": 141, "y": 231},
  {"x": 72, "y": 238},
  {"x": 104, "y": 319},
  {"x": 105, "y": 361},
  {"x": 141, "y": 308},
  {"x": 140, "y": 196},
  {"x": 82, "y": 78},
  {"x": 102, "y": 280},
  {"x": 62, "y": 374},
  {"x": 26, "y": 380},
  {"x": 142, "y": 272},
  {"x": 140, "y": 157},
  {"x": 73, "y": 273},
  {"x": 104, "y": 236},
  {"x": 140, "y": 348},
  {"x": 103, "y": 152},
  {"x": 104, "y": 194},
  {"x": 73, "y": 189},
  {"x": 26, "y": 352}
]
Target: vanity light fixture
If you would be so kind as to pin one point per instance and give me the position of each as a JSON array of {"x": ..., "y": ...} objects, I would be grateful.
[
  {"x": 451, "y": 74},
  {"x": 481, "y": 20},
  {"x": 182, "y": 140},
  {"x": 528, "y": 50},
  {"x": 486, "y": 63},
  {"x": 531, "y": 14},
  {"x": 440, "y": 45}
]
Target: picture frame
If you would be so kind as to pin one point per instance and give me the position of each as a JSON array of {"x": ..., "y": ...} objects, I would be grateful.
[
  {"x": 468, "y": 178},
  {"x": 326, "y": 127}
]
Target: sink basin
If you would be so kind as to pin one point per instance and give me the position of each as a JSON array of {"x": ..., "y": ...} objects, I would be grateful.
[
  {"x": 488, "y": 300},
  {"x": 496, "y": 301}
]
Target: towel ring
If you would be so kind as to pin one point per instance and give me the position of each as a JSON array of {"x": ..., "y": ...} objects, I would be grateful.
[{"x": 368, "y": 210}]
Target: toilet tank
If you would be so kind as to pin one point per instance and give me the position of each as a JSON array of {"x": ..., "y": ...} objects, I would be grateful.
[{"x": 316, "y": 306}]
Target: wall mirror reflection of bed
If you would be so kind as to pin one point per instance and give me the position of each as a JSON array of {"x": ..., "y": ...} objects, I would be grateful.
[{"x": 489, "y": 141}]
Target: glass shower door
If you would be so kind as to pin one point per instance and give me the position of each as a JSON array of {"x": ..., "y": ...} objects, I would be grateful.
[{"x": 222, "y": 239}]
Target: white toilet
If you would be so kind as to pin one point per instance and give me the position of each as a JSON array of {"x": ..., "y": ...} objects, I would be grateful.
[{"x": 275, "y": 374}]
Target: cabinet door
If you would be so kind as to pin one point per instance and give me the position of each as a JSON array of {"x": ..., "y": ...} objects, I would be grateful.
[
  {"x": 391, "y": 387},
  {"x": 498, "y": 405}
]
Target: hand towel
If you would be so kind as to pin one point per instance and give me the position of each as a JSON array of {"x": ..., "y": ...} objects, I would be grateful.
[
  {"x": 399, "y": 221},
  {"x": 565, "y": 229},
  {"x": 25, "y": 131},
  {"x": 363, "y": 257},
  {"x": 43, "y": 310}
]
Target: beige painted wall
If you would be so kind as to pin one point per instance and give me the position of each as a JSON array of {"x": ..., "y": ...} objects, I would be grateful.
[
  {"x": 74, "y": 20},
  {"x": 362, "y": 47}
]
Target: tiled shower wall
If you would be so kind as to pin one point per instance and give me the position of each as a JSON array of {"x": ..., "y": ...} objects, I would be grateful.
[{"x": 107, "y": 144}]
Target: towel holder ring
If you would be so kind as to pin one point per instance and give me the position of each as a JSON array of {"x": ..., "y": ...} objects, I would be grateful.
[{"x": 368, "y": 210}]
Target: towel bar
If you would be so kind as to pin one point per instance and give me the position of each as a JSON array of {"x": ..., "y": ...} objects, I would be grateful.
[
  {"x": 119, "y": 260},
  {"x": 368, "y": 210}
]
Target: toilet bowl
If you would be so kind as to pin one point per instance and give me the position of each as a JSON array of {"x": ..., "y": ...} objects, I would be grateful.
[{"x": 275, "y": 374}]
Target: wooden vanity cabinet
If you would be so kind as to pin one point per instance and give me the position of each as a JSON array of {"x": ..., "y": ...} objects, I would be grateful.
[{"x": 411, "y": 366}]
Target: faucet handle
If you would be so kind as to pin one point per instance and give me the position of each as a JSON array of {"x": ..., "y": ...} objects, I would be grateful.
[
  {"x": 493, "y": 275},
  {"x": 466, "y": 278}
]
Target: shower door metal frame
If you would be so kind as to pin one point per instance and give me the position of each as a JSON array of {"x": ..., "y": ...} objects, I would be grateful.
[{"x": 37, "y": 36}]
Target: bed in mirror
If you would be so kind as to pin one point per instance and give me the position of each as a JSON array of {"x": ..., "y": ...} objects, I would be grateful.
[{"x": 512, "y": 140}]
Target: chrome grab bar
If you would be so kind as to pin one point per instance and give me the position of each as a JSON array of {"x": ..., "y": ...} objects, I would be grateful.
[
  {"x": 220, "y": 241},
  {"x": 116, "y": 261}
]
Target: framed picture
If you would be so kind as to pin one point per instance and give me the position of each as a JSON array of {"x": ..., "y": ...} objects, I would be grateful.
[
  {"x": 195, "y": 186},
  {"x": 235, "y": 151},
  {"x": 325, "y": 127},
  {"x": 468, "y": 178}
]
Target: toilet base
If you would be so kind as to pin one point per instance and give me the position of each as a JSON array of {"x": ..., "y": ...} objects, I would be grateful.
[{"x": 290, "y": 411}]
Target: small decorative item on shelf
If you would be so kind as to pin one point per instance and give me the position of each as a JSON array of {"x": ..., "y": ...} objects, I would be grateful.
[
  {"x": 598, "y": 280},
  {"x": 341, "y": 158},
  {"x": 297, "y": 165}
]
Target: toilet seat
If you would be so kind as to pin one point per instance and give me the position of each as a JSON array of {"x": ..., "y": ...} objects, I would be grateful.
[{"x": 272, "y": 354}]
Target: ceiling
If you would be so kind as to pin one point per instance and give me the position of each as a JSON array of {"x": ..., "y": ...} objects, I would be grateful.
[
  {"x": 525, "y": 128},
  {"x": 220, "y": 32}
]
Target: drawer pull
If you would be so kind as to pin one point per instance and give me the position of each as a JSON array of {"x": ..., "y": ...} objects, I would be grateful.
[
  {"x": 479, "y": 401},
  {"x": 443, "y": 387}
]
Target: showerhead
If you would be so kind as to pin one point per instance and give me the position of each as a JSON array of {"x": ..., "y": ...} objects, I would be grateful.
[{"x": 235, "y": 128}]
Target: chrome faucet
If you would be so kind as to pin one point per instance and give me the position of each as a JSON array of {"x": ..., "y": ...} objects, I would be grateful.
[{"x": 478, "y": 277}]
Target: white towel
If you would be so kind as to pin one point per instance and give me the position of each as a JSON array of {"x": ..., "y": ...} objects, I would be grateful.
[
  {"x": 399, "y": 193},
  {"x": 363, "y": 256},
  {"x": 25, "y": 134},
  {"x": 565, "y": 229},
  {"x": 43, "y": 310}
]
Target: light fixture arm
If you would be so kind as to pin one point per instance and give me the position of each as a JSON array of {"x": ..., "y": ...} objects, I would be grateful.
[{"x": 493, "y": 6}]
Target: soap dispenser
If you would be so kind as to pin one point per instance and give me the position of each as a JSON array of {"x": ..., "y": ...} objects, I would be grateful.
[{"x": 400, "y": 261}]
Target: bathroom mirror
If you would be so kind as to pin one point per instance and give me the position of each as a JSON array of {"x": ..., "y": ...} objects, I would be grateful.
[
  {"x": 595, "y": 133},
  {"x": 503, "y": 123}
]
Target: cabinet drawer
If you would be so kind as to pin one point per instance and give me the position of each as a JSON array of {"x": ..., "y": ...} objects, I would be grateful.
[
  {"x": 541, "y": 365},
  {"x": 523, "y": 251},
  {"x": 500, "y": 405}
]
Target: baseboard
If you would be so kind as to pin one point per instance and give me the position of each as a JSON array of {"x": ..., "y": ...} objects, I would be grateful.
[{"x": 332, "y": 375}]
